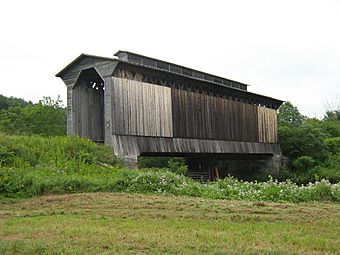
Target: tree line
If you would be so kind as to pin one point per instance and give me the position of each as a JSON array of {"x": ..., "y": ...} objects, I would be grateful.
[
  {"x": 46, "y": 118},
  {"x": 313, "y": 145}
]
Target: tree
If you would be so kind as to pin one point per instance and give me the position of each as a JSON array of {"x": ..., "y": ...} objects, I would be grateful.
[
  {"x": 289, "y": 115},
  {"x": 305, "y": 140},
  {"x": 332, "y": 115},
  {"x": 7, "y": 102},
  {"x": 332, "y": 110},
  {"x": 48, "y": 118}
]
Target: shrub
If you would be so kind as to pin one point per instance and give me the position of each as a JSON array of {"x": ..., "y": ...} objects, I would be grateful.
[
  {"x": 333, "y": 144},
  {"x": 303, "y": 163},
  {"x": 305, "y": 140},
  {"x": 330, "y": 170}
]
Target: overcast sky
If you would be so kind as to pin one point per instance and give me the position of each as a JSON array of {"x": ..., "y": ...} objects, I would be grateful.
[{"x": 287, "y": 49}]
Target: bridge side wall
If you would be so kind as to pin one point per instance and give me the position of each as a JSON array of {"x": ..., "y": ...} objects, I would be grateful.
[{"x": 148, "y": 119}]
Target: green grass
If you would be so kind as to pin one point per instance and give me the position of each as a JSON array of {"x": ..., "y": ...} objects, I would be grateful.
[
  {"x": 32, "y": 165},
  {"x": 120, "y": 223},
  {"x": 23, "y": 151},
  {"x": 23, "y": 183},
  {"x": 150, "y": 211}
]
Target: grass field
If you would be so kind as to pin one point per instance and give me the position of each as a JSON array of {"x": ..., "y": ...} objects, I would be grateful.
[{"x": 119, "y": 223}]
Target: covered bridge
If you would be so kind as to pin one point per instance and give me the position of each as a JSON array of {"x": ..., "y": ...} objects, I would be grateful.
[{"x": 144, "y": 106}]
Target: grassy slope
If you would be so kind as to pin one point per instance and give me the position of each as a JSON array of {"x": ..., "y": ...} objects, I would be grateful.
[
  {"x": 118, "y": 223},
  {"x": 33, "y": 165}
]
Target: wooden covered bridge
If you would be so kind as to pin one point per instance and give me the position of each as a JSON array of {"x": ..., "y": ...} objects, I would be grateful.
[{"x": 144, "y": 106}]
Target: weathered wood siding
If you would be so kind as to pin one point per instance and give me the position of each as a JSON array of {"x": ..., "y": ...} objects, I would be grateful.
[
  {"x": 108, "y": 111},
  {"x": 137, "y": 145},
  {"x": 103, "y": 66},
  {"x": 144, "y": 109},
  {"x": 141, "y": 108},
  {"x": 148, "y": 110},
  {"x": 267, "y": 125},
  {"x": 69, "y": 123},
  {"x": 201, "y": 116}
]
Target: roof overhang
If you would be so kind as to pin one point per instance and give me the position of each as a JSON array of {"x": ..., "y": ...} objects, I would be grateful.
[
  {"x": 235, "y": 91},
  {"x": 123, "y": 57},
  {"x": 80, "y": 57}
]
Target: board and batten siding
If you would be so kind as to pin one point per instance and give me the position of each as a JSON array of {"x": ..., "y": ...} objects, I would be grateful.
[
  {"x": 140, "y": 108},
  {"x": 144, "y": 109},
  {"x": 202, "y": 116},
  {"x": 267, "y": 125}
]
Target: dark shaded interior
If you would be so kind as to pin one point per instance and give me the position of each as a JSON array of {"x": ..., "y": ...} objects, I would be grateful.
[{"x": 88, "y": 105}]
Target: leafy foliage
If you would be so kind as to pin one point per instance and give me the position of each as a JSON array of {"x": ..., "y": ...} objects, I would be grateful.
[
  {"x": 48, "y": 118},
  {"x": 304, "y": 140},
  {"x": 332, "y": 115},
  {"x": 173, "y": 164},
  {"x": 333, "y": 144},
  {"x": 148, "y": 162},
  {"x": 313, "y": 146},
  {"x": 8, "y": 102},
  {"x": 178, "y": 166},
  {"x": 303, "y": 163},
  {"x": 289, "y": 115}
]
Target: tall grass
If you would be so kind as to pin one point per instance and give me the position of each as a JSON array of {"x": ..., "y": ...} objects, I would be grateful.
[
  {"x": 32, "y": 165},
  {"x": 49, "y": 180},
  {"x": 30, "y": 151}
]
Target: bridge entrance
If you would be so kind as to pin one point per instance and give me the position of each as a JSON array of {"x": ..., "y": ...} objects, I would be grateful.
[{"x": 88, "y": 105}]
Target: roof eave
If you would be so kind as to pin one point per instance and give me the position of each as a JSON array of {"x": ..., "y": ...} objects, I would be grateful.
[
  {"x": 60, "y": 73},
  {"x": 170, "y": 63}
]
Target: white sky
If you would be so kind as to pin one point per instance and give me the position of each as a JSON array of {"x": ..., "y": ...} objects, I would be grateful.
[{"x": 286, "y": 49}]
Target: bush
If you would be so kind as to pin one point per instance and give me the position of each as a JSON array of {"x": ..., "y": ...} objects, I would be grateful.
[
  {"x": 333, "y": 144},
  {"x": 330, "y": 170},
  {"x": 303, "y": 163},
  {"x": 305, "y": 140}
]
